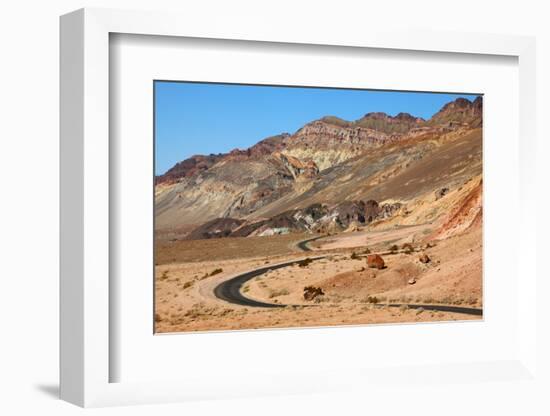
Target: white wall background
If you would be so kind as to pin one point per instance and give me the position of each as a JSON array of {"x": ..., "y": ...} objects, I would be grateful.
[{"x": 29, "y": 206}]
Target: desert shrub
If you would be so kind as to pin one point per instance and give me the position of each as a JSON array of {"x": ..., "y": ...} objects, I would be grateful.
[
  {"x": 354, "y": 256},
  {"x": 158, "y": 318},
  {"x": 164, "y": 275},
  {"x": 320, "y": 299},
  {"x": 188, "y": 284},
  {"x": 246, "y": 289},
  {"x": 305, "y": 262},
  {"x": 199, "y": 309},
  {"x": 407, "y": 248},
  {"x": 215, "y": 272},
  {"x": 311, "y": 292},
  {"x": 370, "y": 299},
  {"x": 225, "y": 312},
  {"x": 394, "y": 248},
  {"x": 447, "y": 300},
  {"x": 366, "y": 250},
  {"x": 193, "y": 313},
  {"x": 279, "y": 292}
]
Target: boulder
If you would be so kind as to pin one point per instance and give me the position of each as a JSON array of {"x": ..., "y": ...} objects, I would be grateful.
[
  {"x": 423, "y": 258},
  {"x": 375, "y": 261}
]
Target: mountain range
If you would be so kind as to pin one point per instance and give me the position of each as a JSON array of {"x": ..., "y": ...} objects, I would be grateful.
[{"x": 327, "y": 176}]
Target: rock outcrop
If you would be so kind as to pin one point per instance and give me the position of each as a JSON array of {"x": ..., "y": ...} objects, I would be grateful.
[
  {"x": 465, "y": 215},
  {"x": 329, "y": 144},
  {"x": 296, "y": 167},
  {"x": 316, "y": 218}
]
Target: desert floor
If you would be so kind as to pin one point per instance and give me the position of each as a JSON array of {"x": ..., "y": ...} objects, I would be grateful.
[{"x": 187, "y": 272}]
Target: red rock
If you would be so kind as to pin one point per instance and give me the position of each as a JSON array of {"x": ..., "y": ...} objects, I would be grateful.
[
  {"x": 375, "y": 261},
  {"x": 424, "y": 258}
]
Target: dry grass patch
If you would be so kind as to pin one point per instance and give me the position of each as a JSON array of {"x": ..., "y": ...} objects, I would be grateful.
[{"x": 278, "y": 292}]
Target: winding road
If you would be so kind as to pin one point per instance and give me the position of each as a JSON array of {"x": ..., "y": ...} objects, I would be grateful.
[
  {"x": 303, "y": 245},
  {"x": 230, "y": 291}
]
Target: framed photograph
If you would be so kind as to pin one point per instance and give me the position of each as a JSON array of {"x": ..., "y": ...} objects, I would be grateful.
[
  {"x": 324, "y": 209},
  {"x": 376, "y": 219}
]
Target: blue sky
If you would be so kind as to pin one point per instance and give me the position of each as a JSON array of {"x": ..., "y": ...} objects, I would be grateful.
[{"x": 200, "y": 118}]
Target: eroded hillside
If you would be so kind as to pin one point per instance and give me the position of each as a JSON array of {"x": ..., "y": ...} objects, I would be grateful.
[{"x": 308, "y": 181}]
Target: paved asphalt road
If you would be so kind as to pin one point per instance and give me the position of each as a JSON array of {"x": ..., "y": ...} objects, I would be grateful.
[
  {"x": 303, "y": 245},
  {"x": 230, "y": 291}
]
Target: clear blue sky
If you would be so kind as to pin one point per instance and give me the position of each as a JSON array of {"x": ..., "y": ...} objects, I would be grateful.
[{"x": 200, "y": 118}]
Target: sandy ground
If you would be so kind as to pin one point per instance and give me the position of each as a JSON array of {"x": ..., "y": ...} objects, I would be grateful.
[
  {"x": 219, "y": 319},
  {"x": 185, "y": 300},
  {"x": 181, "y": 251},
  {"x": 452, "y": 277}
]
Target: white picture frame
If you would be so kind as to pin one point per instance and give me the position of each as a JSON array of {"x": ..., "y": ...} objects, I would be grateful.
[{"x": 86, "y": 356}]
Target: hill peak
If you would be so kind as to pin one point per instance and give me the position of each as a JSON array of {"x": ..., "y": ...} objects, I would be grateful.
[
  {"x": 460, "y": 111},
  {"x": 380, "y": 121}
]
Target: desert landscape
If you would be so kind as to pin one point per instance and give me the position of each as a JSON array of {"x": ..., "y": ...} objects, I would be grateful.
[{"x": 371, "y": 221}]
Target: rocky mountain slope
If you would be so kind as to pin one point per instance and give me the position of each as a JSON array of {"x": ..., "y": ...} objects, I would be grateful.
[{"x": 328, "y": 175}]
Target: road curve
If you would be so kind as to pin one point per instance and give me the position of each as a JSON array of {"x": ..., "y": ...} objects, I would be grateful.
[
  {"x": 303, "y": 245},
  {"x": 230, "y": 291},
  {"x": 438, "y": 308}
]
